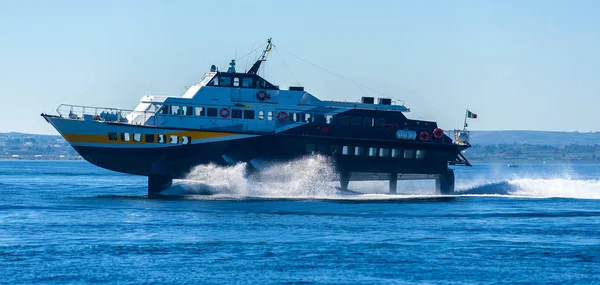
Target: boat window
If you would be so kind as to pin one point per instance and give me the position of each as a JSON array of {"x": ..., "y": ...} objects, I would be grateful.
[
  {"x": 358, "y": 151},
  {"x": 333, "y": 149},
  {"x": 214, "y": 82},
  {"x": 211, "y": 112},
  {"x": 248, "y": 82},
  {"x": 149, "y": 138},
  {"x": 329, "y": 119},
  {"x": 270, "y": 116},
  {"x": 396, "y": 153},
  {"x": 260, "y": 83},
  {"x": 420, "y": 154},
  {"x": 409, "y": 153},
  {"x": 162, "y": 139},
  {"x": 112, "y": 136},
  {"x": 137, "y": 137},
  {"x": 323, "y": 148},
  {"x": 346, "y": 150},
  {"x": 310, "y": 148},
  {"x": 236, "y": 82},
  {"x": 125, "y": 137},
  {"x": 261, "y": 115},
  {"x": 189, "y": 110},
  {"x": 368, "y": 122},
  {"x": 306, "y": 118},
  {"x": 173, "y": 139},
  {"x": 319, "y": 118},
  {"x": 384, "y": 152},
  {"x": 186, "y": 140},
  {"x": 379, "y": 122},
  {"x": 294, "y": 117},
  {"x": 236, "y": 113},
  {"x": 175, "y": 110},
  {"x": 356, "y": 121},
  {"x": 164, "y": 110},
  {"x": 344, "y": 120},
  {"x": 249, "y": 114},
  {"x": 372, "y": 151},
  {"x": 199, "y": 111},
  {"x": 225, "y": 81}
]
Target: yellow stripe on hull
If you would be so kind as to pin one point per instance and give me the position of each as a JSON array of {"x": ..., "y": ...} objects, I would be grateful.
[{"x": 95, "y": 138}]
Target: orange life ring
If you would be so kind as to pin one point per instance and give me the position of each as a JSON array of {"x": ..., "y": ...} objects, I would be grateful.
[
  {"x": 424, "y": 136},
  {"x": 438, "y": 133},
  {"x": 282, "y": 116},
  {"x": 224, "y": 113},
  {"x": 262, "y": 96}
]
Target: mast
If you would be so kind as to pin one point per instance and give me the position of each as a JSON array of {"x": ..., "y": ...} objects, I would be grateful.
[{"x": 263, "y": 57}]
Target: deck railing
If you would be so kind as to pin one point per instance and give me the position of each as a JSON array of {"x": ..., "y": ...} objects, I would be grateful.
[{"x": 105, "y": 114}]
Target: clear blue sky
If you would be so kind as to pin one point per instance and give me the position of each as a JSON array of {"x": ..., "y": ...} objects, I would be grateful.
[{"x": 531, "y": 65}]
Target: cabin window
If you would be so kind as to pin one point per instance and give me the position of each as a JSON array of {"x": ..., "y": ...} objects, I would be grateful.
[
  {"x": 236, "y": 113},
  {"x": 260, "y": 83},
  {"x": 323, "y": 148},
  {"x": 372, "y": 151},
  {"x": 396, "y": 153},
  {"x": 346, "y": 150},
  {"x": 211, "y": 112},
  {"x": 176, "y": 110},
  {"x": 236, "y": 82},
  {"x": 162, "y": 139},
  {"x": 225, "y": 81},
  {"x": 379, "y": 122},
  {"x": 125, "y": 137},
  {"x": 368, "y": 122},
  {"x": 199, "y": 111},
  {"x": 137, "y": 137},
  {"x": 249, "y": 114},
  {"x": 306, "y": 118},
  {"x": 333, "y": 149},
  {"x": 356, "y": 121},
  {"x": 261, "y": 115},
  {"x": 329, "y": 119},
  {"x": 174, "y": 139},
  {"x": 409, "y": 153},
  {"x": 189, "y": 111},
  {"x": 214, "y": 81},
  {"x": 344, "y": 120},
  {"x": 358, "y": 151},
  {"x": 247, "y": 82},
  {"x": 384, "y": 152},
  {"x": 164, "y": 110},
  {"x": 186, "y": 140},
  {"x": 112, "y": 136},
  {"x": 149, "y": 138},
  {"x": 270, "y": 116},
  {"x": 310, "y": 148},
  {"x": 420, "y": 154},
  {"x": 319, "y": 119},
  {"x": 294, "y": 117}
]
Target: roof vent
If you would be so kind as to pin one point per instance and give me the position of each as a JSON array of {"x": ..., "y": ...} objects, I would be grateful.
[
  {"x": 296, "y": 88},
  {"x": 385, "y": 101},
  {"x": 368, "y": 100}
]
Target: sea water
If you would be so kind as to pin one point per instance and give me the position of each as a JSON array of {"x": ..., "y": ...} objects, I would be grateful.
[{"x": 71, "y": 222}]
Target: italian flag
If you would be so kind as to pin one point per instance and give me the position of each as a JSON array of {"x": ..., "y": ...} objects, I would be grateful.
[{"x": 471, "y": 115}]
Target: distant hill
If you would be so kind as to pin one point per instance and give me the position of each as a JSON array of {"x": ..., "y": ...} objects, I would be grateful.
[{"x": 534, "y": 137}]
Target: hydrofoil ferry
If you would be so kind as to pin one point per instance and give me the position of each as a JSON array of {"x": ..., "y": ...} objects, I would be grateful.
[{"x": 230, "y": 117}]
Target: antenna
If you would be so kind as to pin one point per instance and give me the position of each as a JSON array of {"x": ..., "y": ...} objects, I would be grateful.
[{"x": 263, "y": 57}]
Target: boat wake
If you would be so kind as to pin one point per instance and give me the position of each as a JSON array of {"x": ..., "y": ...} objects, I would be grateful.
[
  {"x": 538, "y": 188},
  {"x": 314, "y": 178}
]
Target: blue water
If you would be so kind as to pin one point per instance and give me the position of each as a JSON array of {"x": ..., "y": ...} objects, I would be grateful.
[{"x": 70, "y": 222}]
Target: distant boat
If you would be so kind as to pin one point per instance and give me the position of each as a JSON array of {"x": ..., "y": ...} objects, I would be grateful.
[{"x": 512, "y": 164}]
